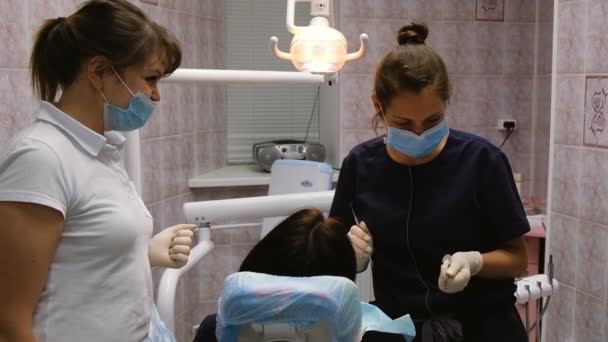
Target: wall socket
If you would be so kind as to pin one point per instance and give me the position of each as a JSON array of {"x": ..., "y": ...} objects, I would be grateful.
[
  {"x": 507, "y": 124},
  {"x": 320, "y": 8}
]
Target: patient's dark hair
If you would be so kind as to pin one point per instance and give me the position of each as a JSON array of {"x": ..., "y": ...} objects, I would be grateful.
[{"x": 305, "y": 244}]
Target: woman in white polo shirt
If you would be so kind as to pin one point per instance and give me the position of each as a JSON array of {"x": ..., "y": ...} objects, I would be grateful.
[{"x": 76, "y": 241}]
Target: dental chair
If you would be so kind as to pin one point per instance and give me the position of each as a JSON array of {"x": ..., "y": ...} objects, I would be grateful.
[
  {"x": 258, "y": 307},
  {"x": 206, "y": 214}
]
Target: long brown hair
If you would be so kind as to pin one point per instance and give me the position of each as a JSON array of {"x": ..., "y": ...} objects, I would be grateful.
[
  {"x": 114, "y": 29},
  {"x": 410, "y": 67}
]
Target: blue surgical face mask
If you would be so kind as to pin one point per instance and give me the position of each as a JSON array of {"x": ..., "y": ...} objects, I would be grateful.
[
  {"x": 414, "y": 145},
  {"x": 134, "y": 117}
]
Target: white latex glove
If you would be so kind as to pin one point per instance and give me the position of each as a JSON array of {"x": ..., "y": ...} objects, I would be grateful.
[
  {"x": 171, "y": 247},
  {"x": 457, "y": 270},
  {"x": 362, "y": 243}
]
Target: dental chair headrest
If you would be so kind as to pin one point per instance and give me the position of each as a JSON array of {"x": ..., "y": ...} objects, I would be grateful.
[{"x": 300, "y": 301}]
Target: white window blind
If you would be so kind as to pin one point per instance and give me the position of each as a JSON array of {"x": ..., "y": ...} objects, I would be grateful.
[{"x": 266, "y": 112}]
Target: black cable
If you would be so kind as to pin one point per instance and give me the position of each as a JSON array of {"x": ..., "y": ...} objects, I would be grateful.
[
  {"x": 509, "y": 132},
  {"x": 407, "y": 241},
  {"x": 312, "y": 113}
]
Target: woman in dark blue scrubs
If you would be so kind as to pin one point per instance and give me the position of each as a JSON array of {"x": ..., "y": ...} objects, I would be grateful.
[{"x": 445, "y": 218}]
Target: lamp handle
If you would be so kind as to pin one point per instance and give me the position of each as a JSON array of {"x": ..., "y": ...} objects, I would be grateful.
[
  {"x": 362, "y": 49},
  {"x": 275, "y": 49}
]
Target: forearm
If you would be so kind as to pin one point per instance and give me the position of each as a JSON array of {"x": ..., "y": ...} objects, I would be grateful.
[
  {"x": 15, "y": 330},
  {"x": 511, "y": 261}
]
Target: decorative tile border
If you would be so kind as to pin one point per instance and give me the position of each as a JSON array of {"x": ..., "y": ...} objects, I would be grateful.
[
  {"x": 595, "y": 132},
  {"x": 490, "y": 10}
]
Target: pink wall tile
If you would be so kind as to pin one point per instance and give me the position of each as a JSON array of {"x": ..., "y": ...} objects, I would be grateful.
[
  {"x": 545, "y": 13},
  {"x": 591, "y": 260},
  {"x": 151, "y": 170},
  {"x": 172, "y": 210},
  {"x": 385, "y": 38},
  {"x": 519, "y": 51},
  {"x": 152, "y": 129},
  {"x": 183, "y": 327},
  {"x": 597, "y": 42},
  {"x": 561, "y": 315},
  {"x": 249, "y": 235},
  {"x": 217, "y": 113},
  {"x": 520, "y": 11},
  {"x": 171, "y": 164},
  {"x": 170, "y": 4},
  {"x": 594, "y": 186},
  {"x": 218, "y": 155},
  {"x": 188, "y": 110},
  {"x": 212, "y": 271},
  {"x": 13, "y": 18},
  {"x": 388, "y": 9},
  {"x": 170, "y": 109},
  {"x": 16, "y": 109},
  {"x": 202, "y": 309},
  {"x": 563, "y": 246},
  {"x": 459, "y": 51},
  {"x": 357, "y": 109},
  {"x": 356, "y": 8},
  {"x": 589, "y": 318},
  {"x": 571, "y": 37},
  {"x": 39, "y": 10},
  {"x": 489, "y": 43},
  {"x": 606, "y": 323},
  {"x": 458, "y": 10},
  {"x": 352, "y": 29},
  {"x": 202, "y": 118},
  {"x": 157, "y": 213},
  {"x": 569, "y": 102},
  {"x": 202, "y": 150},
  {"x": 238, "y": 254},
  {"x": 519, "y": 143},
  {"x": 426, "y": 9},
  {"x": 201, "y": 9},
  {"x": 183, "y": 147},
  {"x": 566, "y": 180},
  {"x": 476, "y": 100},
  {"x": 518, "y": 97},
  {"x": 220, "y": 236},
  {"x": 186, "y": 6},
  {"x": 545, "y": 48}
]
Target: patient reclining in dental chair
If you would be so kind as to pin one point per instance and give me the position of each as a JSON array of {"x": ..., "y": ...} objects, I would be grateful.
[{"x": 326, "y": 302}]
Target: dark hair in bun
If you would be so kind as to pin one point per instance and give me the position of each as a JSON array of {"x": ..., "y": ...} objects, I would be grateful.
[{"x": 413, "y": 33}]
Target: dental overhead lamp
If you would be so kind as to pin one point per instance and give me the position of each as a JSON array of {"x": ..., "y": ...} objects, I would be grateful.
[{"x": 317, "y": 48}]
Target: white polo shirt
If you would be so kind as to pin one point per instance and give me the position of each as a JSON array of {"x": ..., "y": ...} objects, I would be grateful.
[{"x": 99, "y": 286}]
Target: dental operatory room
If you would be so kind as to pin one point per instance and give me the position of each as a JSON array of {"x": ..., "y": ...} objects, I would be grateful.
[{"x": 303, "y": 171}]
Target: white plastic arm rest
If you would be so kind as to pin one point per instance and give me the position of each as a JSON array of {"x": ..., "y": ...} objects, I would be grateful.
[{"x": 168, "y": 283}]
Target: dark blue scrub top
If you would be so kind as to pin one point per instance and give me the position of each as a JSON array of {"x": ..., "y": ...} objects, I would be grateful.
[{"x": 463, "y": 200}]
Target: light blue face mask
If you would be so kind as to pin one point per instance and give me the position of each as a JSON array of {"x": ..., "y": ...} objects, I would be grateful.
[
  {"x": 134, "y": 117},
  {"x": 414, "y": 145}
]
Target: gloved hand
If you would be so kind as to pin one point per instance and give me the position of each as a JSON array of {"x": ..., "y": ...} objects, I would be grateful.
[
  {"x": 362, "y": 243},
  {"x": 171, "y": 247},
  {"x": 457, "y": 270}
]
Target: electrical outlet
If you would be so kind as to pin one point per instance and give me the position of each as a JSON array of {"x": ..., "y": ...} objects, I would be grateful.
[
  {"x": 320, "y": 8},
  {"x": 507, "y": 125}
]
